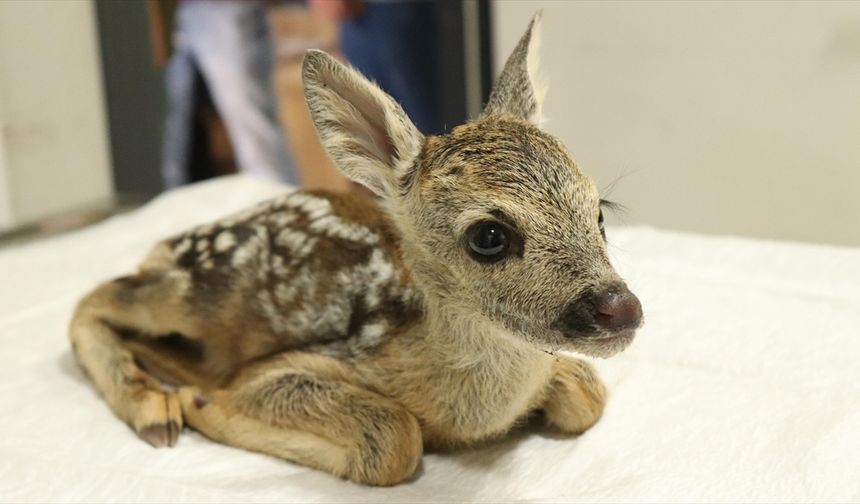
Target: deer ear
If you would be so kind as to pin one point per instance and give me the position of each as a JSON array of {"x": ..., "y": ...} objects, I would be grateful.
[
  {"x": 519, "y": 89},
  {"x": 365, "y": 132}
]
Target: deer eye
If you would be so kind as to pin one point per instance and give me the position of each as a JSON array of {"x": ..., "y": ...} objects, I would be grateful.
[
  {"x": 488, "y": 241},
  {"x": 600, "y": 224}
]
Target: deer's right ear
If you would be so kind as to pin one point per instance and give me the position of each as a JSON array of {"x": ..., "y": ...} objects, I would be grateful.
[
  {"x": 520, "y": 89},
  {"x": 365, "y": 132}
]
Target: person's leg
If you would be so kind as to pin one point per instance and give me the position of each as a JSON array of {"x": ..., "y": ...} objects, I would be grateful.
[
  {"x": 360, "y": 45},
  {"x": 232, "y": 45},
  {"x": 394, "y": 44},
  {"x": 180, "y": 79}
]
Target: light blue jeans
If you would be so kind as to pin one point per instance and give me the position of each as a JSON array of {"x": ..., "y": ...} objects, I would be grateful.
[{"x": 227, "y": 43}]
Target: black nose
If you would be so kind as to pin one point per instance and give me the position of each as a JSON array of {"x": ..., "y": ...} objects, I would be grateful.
[{"x": 613, "y": 309}]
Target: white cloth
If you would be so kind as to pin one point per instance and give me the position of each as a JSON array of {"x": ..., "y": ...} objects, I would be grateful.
[{"x": 742, "y": 385}]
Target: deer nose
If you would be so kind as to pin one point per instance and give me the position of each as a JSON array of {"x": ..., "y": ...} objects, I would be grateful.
[
  {"x": 615, "y": 311},
  {"x": 611, "y": 309}
]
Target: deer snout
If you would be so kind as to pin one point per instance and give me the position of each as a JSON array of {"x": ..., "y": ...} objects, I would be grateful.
[
  {"x": 616, "y": 311},
  {"x": 613, "y": 309}
]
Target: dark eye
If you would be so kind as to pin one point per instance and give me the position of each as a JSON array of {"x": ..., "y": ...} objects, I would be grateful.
[
  {"x": 488, "y": 241},
  {"x": 600, "y": 224}
]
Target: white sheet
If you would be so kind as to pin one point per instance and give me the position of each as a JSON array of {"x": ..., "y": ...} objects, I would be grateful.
[{"x": 742, "y": 386}]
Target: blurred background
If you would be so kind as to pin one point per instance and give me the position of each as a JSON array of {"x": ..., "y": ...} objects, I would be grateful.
[{"x": 737, "y": 118}]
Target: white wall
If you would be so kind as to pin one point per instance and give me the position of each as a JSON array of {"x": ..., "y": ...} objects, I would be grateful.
[
  {"x": 6, "y": 220},
  {"x": 720, "y": 117},
  {"x": 53, "y": 142}
]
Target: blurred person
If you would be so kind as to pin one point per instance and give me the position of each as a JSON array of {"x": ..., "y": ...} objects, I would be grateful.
[
  {"x": 226, "y": 43},
  {"x": 394, "y": 43}
]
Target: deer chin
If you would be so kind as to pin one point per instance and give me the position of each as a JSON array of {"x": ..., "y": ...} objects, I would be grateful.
[{"x": 601, "y": 344}]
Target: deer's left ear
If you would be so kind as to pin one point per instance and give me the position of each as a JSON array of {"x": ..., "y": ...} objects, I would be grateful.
[
  {"x": 365, "y": 132},
  {"x": 519, "y": 90}
]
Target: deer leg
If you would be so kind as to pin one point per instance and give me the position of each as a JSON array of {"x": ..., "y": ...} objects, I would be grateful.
[
  {"x": 300, "y": 408},
  {"x": 141, "y": 303},
  {"x": 576, "y": 396}
]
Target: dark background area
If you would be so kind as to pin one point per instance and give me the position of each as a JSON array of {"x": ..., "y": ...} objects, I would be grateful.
[
  {"x": 134, "y": 90},
  {"x": 135, "y": 94}
]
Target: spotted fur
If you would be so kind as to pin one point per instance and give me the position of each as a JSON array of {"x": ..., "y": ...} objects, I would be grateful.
[{"x": 349, "y": 335}]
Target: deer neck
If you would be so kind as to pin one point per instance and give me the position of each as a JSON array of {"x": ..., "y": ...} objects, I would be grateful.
[{"x": 461, "y": 339}]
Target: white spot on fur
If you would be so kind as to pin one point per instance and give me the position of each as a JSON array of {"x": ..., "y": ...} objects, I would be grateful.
[
  {"x": 205, "y": 229},
  {"x": 371, "y": 333},
  {"x": 335, "y": 227},
  {"x": 299, "y": 244},
  {"x": 306, "y": 248},
  {"x": 180, "y": 280},
  {"x": 296, "y": 199},
  {"x": 278, "y": 266},
  {"x": 381, "y": 269},
  {"x": 331, "y": 317},
  {"x": 271, "y": 312},
  {"x": 244, "y": 253},
  {"x": 316, "y": 208},
  {"x": 303, "y": 281},
  {"x": 291, "y": 239},
  {"x": 183, "y": 246},
  {"x": 202, "y": 245},
  {"x": 313, "y": 206},
  {"x": 283, "y": 218},
  {"x": 380, "y": 272},
  {"x": 225, "y": 241},
  {"x": 285, "y": 293},
  {"x": 370, "y": 336}
]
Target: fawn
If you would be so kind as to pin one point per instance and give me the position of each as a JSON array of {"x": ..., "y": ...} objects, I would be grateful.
[{"x": 331, "y": 331}]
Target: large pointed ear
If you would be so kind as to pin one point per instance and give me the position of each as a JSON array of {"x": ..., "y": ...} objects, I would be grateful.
[
  {"x": 365, "y": 132},
  {"x": 519, "y": 89}
]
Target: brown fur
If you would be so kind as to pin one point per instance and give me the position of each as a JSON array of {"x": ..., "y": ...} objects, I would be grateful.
[{"x": 329, "y": 331}]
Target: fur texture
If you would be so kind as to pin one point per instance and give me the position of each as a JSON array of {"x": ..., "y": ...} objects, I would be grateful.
[{"x": 325, "y": 330}]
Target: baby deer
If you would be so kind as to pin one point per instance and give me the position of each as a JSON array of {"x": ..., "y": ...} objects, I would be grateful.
[{"x": 347, "y": 336}]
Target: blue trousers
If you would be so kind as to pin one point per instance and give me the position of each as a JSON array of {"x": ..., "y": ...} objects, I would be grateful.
[
  {"x": 228, "y": 44},
  {"x": 393, "y": 43}
]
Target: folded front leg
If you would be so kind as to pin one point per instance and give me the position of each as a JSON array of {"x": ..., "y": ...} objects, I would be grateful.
[
  {"x": 576, "y": 396},
  {"x": 292, "y": 407}
]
